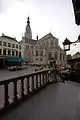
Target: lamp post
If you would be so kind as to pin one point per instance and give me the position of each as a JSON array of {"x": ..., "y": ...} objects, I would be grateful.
[{"x": 67, "y": 43}]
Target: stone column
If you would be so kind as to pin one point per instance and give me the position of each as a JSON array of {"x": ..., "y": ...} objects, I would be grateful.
[
  {"x": 7, "y": 52},
  {"x": 11, "y": 52},
  {"x": 14, "y": 52},
  {"x": 2, "y": 51}
]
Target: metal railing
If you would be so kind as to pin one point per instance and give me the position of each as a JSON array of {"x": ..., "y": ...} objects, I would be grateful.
[{"x": 13, "y": 91}]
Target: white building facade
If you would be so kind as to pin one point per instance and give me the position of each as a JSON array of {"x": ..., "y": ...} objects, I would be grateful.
[
  {"x": 9, "y": 48},
  {"x": 40, "y": 51}
]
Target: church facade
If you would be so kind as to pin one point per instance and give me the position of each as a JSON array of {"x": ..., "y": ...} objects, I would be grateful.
[{"x": 40, "y": 51}]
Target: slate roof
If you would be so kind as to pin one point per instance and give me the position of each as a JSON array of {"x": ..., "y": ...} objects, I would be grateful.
[
  {"x": 48, "y": 36},
  {"x": 8, "y": 37}
]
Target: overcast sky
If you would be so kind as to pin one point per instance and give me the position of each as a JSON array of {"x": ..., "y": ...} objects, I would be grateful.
[{"x": 55, "y": 16}]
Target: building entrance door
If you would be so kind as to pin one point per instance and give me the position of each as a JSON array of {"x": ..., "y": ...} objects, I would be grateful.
[{"x": 2, "y": 62}]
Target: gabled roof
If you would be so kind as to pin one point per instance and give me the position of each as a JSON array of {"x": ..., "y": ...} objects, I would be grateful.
[
  {"x": 49, "y": 35},
  {"x": 46, "y": 37}
]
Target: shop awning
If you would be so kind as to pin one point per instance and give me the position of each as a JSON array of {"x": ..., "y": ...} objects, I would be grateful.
[{"x": 15, "y": 60}]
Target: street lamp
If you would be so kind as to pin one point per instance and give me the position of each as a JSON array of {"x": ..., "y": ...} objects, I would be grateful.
[{"x": 67, "y": 43}]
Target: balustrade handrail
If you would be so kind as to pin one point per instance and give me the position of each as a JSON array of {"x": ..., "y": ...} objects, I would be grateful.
[{"x": 28, "y": 75}]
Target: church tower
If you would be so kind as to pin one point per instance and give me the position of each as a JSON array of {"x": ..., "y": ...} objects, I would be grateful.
[{"x": 28, "y": 33}]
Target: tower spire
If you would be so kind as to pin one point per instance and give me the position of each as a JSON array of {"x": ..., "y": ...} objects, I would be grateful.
[{"x": 28, "y": 33}]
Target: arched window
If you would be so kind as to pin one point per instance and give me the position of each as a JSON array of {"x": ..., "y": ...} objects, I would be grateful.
[
  {"x": 36, "y": 53},
  {"x": 47, "y": 44},
  {"x": 51, "y": 43},
  {"x": 55, "y": 55},
  {"x": 49, "y": 55},
  {"x": 41, "y": 53},
  {"x": 39, "y": 46},
  {"x": 43, "y": 44},
  {"x": 60, "y": 56}
]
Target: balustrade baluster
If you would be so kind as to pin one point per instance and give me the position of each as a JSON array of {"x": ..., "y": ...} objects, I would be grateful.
[
  {"x": 43, "y": 78},
  {"x": 40, "y": 80},
  {"x": 28, "y": 91},
  {"x": 46, "y": 78},
  {"x": 6, "y": 103},
  {"x": 36, "y": 81},
  {"x": 33, "y": 83},
  {"x": 50, "y": 76},
  {"x": 15, "y": 91},
  {"x": 22, "y": 88}
]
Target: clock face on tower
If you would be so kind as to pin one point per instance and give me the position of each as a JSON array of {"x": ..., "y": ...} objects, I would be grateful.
[{"x": 27, "y": 47}]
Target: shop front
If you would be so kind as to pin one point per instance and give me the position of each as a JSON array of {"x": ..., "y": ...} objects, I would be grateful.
[
  {"x": 6, "y": 62},
  {"x": 14, "y": 61}
]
